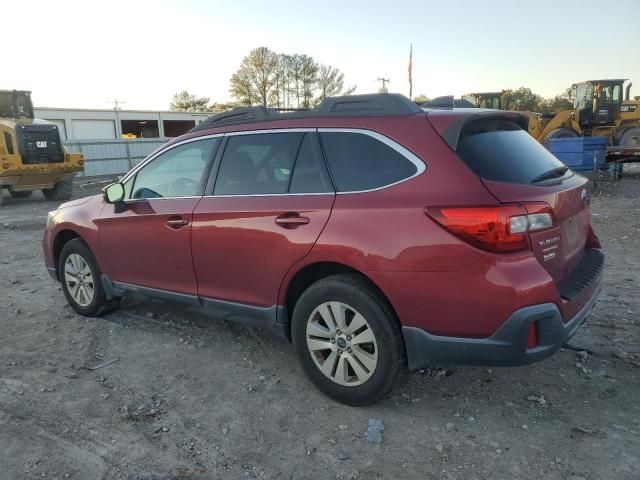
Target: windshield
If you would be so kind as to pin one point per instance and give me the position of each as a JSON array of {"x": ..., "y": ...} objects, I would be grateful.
[
  {"x": 583, "y": 97},
  {"x": 15, "y": 105},
  {"x": 500, "y": 150}
]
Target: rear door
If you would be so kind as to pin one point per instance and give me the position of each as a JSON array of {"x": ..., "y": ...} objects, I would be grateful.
[
  {"x": 269, "y": 199},
  {"x": 516, "y": 169}
]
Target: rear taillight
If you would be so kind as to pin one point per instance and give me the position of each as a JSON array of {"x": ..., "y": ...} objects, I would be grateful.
[{"x": 500, "y": 229}]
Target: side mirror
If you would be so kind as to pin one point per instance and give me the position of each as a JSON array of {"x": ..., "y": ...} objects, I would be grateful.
[{"x": 114, "y": 193}]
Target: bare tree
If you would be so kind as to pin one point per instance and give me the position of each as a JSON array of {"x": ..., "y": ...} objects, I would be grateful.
[{"x": 330, "y": 81}]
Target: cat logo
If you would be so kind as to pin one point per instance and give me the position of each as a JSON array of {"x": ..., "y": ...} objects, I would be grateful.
[
  {"x": 41, "y": 144},
  {"x": 628, "y": 108}
]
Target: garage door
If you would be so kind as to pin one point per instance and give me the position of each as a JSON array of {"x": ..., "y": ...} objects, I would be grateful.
[{"x": 93, "y": 129}]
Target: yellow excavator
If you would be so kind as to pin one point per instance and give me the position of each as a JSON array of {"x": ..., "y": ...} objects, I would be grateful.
[
  {"x": 32, "y": 156},
  {"x": 599, "y": 109}
]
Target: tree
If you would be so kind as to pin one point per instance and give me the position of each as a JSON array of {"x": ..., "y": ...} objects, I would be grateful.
[
  {"x": 330, "y": 82},
  {"x": 564, "y": 101},
  {"x": 524, "y": 99},
  {"x": 255, "y": 82},
  {"x": 285, "y": 81},
  {"x": 186, "y": 102}
]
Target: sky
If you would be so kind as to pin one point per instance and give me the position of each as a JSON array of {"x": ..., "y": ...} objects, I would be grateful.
[{"x": 85, "y": 54}]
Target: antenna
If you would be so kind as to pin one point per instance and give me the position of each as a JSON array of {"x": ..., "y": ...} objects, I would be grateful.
[{"x": 383, "y": 88}]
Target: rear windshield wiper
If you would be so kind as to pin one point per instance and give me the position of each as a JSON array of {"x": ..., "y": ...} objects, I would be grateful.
[{"x": 553, "y": 173}]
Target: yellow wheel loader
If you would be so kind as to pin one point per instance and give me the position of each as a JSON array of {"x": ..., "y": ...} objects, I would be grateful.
[
  {"x": 32, "y": 156},
  {"x": 598, "y": 110},
  {"x": 493, "y": 100}
]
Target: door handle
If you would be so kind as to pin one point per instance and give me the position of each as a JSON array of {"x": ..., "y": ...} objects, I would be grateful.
[
  {"x": 176, "y": 222},
  {"x": 291, "y": 220}
]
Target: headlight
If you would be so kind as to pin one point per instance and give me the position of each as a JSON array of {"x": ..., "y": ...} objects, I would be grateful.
[{"x": 50, "y": 217}]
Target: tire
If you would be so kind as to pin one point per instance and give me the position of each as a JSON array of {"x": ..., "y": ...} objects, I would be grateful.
[
  {"x": 630, "y": 137},
  {"x": 61, "y": 191},
  {"x": 558, "y": 133},
  {"x": 77, "y": 254},
  {"x": 364, "y": 382},
  {"x": 20, "y": 193}
]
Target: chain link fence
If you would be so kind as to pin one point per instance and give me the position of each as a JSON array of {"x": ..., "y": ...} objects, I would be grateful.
[{"x": 113, "y": 157}]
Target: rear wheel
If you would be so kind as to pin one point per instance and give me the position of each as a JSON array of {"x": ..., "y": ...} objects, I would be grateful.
[
  {"x": 559, "y": 133},
  {"x": 630, "y": 138},
  {"x": 81, "y": 280},
  {"x": 20, "y": 193},
  {"x": 61, "y": 191},
  {"x": 348, "y": 340}
]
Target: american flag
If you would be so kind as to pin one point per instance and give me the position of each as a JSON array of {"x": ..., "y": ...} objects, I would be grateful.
[{"x": 410, "y": 69}]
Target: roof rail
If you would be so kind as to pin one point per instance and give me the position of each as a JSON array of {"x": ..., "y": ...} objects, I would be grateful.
[
  {"x": 345, "y": 106},
  {"x": 372, "y": 104}
]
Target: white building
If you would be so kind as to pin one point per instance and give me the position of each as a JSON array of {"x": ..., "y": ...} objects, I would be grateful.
[{"x": 82, "y": 124}]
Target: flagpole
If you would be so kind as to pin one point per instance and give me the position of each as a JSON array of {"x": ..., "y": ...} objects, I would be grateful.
[{"x": 411, "y": 71}]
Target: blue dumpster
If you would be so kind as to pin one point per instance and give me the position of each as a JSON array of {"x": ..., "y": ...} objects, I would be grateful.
[{"x": 581, "y": 154}]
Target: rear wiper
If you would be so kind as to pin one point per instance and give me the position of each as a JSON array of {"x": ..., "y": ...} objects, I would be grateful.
[{"x": 553, "y": 173}]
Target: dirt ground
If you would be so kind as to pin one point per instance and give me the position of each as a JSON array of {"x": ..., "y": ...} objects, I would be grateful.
[{"x": 190, "y": 397}]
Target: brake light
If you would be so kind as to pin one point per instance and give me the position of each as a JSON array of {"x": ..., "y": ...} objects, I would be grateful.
[{"x": 500, "y": 229}]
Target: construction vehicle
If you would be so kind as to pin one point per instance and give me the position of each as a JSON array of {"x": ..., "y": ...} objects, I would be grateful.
[
  {"x": 493, "y": 100},
  {"x": 32, "y": 156},
  {"x": 598, "y": 110}
]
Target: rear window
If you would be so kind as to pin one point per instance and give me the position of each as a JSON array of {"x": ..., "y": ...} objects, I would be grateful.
[{"x": 500, "y": 150}]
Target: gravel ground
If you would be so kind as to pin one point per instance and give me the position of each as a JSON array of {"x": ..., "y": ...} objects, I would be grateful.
[{"x": 190, "y": 397}]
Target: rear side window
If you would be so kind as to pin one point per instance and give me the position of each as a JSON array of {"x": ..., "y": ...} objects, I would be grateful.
[
  {"x": 310, "y": 173},
  {"x": 272, "y": 163},
  {"x": 500, "y": 150},
  {"x": 360, "y": 162}
]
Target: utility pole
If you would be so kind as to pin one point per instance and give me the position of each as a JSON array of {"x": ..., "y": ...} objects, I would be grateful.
[
  {"x": 116, "y": 108},
  {"x": 384, "y": 81}
]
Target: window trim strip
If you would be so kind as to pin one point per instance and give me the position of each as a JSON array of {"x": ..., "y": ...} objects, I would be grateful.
[{"x": 420, "y": 165}]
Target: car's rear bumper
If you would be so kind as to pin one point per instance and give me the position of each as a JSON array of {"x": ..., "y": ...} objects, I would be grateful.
[{"x": 506, "y": 347}]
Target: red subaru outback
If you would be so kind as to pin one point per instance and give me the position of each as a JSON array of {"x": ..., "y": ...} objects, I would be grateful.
[{"x": 372, "y": 233}]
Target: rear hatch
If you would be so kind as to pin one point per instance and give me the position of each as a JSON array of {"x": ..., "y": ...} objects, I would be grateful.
[{"x": 516, "y": 169}]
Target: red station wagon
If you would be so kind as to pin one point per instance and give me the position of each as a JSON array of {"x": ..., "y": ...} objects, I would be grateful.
[{"x": 374, "y": 234}]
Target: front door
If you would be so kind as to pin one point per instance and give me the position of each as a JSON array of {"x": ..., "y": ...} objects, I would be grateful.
[
  {"x": 272, "y": 198},
  {"x": 148, "y": 241}
]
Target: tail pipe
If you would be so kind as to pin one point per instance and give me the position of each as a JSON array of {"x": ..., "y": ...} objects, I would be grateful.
[{"x": 627, "y": 91}]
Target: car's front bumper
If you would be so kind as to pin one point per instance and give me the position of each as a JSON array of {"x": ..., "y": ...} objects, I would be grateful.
[{"x": 506, "y": 347}]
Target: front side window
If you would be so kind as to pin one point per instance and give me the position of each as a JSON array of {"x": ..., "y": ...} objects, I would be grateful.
[
  {"x": 271, "y": 164},
  {"x": 178, "y": 172},
  {"x": 360, "y": 162}
]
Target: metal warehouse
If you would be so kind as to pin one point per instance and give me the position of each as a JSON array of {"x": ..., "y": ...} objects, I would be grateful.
[
  {"x": 113, "y": 141},
  {"x": 81, "y": 124}
]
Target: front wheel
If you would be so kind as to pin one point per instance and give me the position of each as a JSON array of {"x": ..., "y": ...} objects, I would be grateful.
[
  {"x": 81, "y": 279},
  {"x": 348, "y": 340},
  {"x": 558, "y": 133},
  {"x": 20, "y": 193}
]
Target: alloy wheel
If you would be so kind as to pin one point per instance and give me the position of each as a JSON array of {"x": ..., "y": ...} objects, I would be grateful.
[
  {"x": 342, "y": 343},
  {"x": 79, "y": 280}
]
